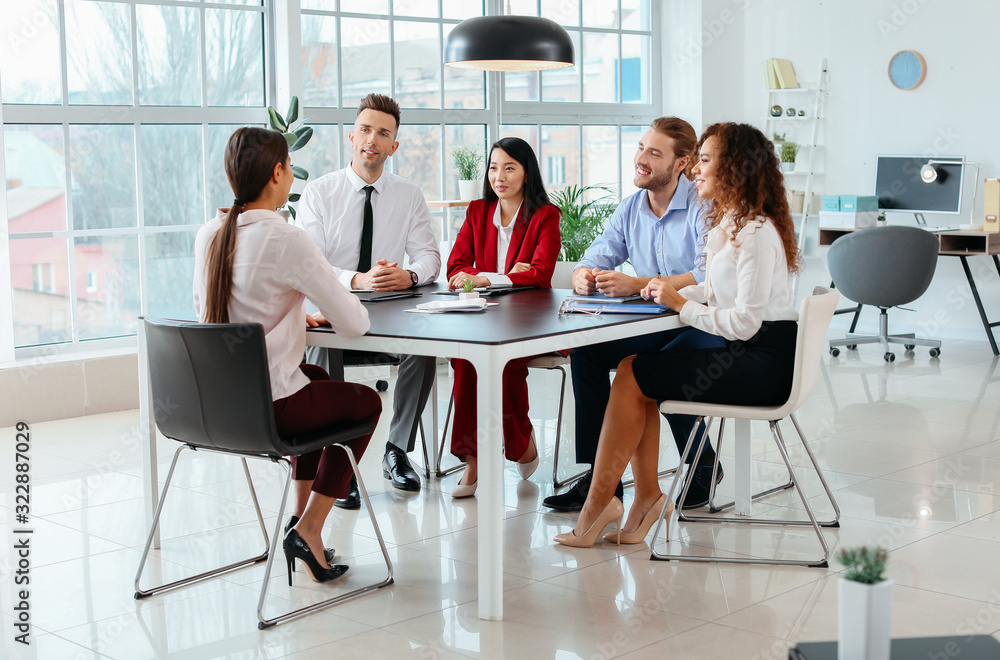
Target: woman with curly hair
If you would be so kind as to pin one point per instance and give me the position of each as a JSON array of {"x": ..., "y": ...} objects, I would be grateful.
[{"x": 746, "y": 299}]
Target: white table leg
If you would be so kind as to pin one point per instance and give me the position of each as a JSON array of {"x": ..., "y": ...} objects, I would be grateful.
[
  {"x": 147, "y": 435},
  {"x": 489, "y": 369},
  {"x": 744, "y": 496}
]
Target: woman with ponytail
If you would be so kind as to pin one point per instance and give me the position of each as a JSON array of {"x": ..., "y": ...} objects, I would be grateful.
[{"x": 251, "y": 266}]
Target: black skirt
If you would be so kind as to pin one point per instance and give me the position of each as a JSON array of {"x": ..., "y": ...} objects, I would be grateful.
[{"x": 756, "y": 372}]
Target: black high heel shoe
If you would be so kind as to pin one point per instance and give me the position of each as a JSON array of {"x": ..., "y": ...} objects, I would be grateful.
[
  {"x": 328, "y": 553},
  {"x": 295, "y": 547}
]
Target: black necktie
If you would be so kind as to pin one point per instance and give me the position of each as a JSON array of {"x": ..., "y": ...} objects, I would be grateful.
[{"x": 365, "y": 256}]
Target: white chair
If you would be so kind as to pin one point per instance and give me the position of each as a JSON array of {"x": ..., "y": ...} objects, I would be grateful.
[{"x": 815, "y": 314}]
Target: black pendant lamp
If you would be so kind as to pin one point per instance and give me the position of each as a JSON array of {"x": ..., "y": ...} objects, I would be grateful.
[{"x": 508, "y": 43}]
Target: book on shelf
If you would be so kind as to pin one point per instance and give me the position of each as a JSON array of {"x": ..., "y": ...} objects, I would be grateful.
[
  {"x": 770, "y": 75},
  {"x": 785, "y": 74}
]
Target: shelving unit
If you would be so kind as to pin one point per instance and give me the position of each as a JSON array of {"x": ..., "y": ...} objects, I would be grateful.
[{"x": 801, "y": 129}]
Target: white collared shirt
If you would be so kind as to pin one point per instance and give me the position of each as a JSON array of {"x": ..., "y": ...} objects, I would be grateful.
[
  {"x": 745, "y": 284},
  {"x": 332, "y": 209},
  {"x": 503, "y": 247},
  {"x": 275, "y": 267}
]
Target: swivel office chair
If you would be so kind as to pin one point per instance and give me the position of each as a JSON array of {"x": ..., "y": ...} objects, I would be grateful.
[
  {"x": 884, "y": 267},
  {"x": 212, "y": 391}
]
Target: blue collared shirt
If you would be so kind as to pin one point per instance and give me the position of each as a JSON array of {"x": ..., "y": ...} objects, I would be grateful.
[{"x": 670, "y": 245}]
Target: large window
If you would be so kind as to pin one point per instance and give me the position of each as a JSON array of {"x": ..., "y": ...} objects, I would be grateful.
[
  {"x": 116, "y": 112},
  {"x": 112, "y": 154}
]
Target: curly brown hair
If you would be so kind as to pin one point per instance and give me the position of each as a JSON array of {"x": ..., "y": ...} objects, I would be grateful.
[{"x": 750, "y": 184}]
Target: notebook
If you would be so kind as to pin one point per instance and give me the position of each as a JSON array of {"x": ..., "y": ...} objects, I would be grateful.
[{"x": 379, "y": 296}]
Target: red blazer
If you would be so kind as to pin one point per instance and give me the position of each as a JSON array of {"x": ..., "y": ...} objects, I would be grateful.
[{"x": 535, "y": 241}]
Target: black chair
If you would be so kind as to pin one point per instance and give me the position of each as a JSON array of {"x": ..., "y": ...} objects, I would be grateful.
[
  {"x": 211, "y": 392},
  {"x": 884, "y": 267}
]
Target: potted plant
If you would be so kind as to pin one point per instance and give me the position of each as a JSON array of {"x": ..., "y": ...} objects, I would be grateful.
[
  {"x": 865, "y": 605},
  {"x": 789, "y": 150},
  {"x": 469, "y": 163},
  {"x": 583, "y": 212},
  {"x": 468, "y": 291},
  {"x": 296, "y": 138}
]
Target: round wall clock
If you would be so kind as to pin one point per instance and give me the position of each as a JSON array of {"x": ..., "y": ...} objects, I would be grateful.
[{"x": 907, "y": 69}]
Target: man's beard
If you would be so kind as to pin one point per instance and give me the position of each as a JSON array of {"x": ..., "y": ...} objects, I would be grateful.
[{"x": 654, "y": 184}]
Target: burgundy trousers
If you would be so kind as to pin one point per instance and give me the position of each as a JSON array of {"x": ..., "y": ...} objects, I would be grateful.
[{"x": 321, "y": 403}]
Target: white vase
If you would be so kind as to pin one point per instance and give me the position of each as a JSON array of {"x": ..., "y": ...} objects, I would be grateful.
[
  {"x": 469, "y": 190},
  {"x": 787, "y": 167},
  {"x": 468, "y": 295},
  {"x": 865, "y": 623}
]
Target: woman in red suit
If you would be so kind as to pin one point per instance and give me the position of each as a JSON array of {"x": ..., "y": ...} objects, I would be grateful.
[{"x": 510, "y": 237}]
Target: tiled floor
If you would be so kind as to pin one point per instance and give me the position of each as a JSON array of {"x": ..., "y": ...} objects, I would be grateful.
[{"x": 912, "y": 450}]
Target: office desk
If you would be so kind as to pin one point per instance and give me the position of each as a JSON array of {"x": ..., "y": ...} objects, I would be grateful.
[
  {"x": 963, "y": 647},
  {"x": 523, "y": 324},
  {"x": 957, "y": 243}
]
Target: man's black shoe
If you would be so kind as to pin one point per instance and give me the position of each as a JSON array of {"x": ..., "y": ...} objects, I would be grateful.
[
  {"x": 576, "y": 495},
  {"x": 397, "y": 469},
  {"x": 353, "y": 499},
  {"x": 701, "y": 485}
]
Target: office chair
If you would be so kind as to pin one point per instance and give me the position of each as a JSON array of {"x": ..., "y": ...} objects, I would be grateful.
[
  {"x": 884, "y": 267},
  {"x": 212, "y": 392},
  {"x": 815, "y": 314}
]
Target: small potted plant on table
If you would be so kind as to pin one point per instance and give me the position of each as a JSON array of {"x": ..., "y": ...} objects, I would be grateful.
[{"x": 865, "y": 605}]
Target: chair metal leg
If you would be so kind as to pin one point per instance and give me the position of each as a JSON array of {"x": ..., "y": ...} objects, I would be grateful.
[
  {"x": 556, "y": 483},
  {"x": 444, "y": 436},
  {"x": 812, "y": 458},
  {"x": 267, "y": 623},
  {"x": 812, "y": 521},
  {"x": 145, "y": 593},
  {"x": 717, "y": 508}
]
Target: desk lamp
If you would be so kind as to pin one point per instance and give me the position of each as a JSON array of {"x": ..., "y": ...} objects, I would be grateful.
[{"x": 929, "y": 175}]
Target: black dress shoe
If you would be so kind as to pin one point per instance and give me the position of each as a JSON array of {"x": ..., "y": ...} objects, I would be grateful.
[
  {"x": 573, "y": 499},
  {"x": 701, "y": 487},
  {"x": 397, "y": 469},
  {"x": 328, "y": 552},
  {"x": 353, "y": 499}
]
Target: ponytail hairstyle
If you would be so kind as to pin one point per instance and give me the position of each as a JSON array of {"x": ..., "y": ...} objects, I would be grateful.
[
  {"x": 251, "y": 154},
  {"x": 533, "y": 194}
]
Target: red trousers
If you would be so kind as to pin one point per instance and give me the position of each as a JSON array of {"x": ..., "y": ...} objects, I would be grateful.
[
  {"x": 516, "y": 425},
  {"x": 321, "y": 403}
]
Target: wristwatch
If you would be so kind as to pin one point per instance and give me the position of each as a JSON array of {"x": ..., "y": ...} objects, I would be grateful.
[{"x": 413, "y": 278}]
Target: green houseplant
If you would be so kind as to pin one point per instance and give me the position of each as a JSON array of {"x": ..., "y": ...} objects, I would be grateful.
[
  {"x": 296, "y": 138},
  {"x": 865, "y": 605},
  {"x": 469, "y": 163},
  {"x": 583, "y": 214},
  {"x": 789, "y": 151}
]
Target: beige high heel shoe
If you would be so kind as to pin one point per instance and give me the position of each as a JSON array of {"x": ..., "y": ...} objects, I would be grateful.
[
  {"x": 639, "y": 535},
  {"x": 528, "y": 469},
  {"x": 464, "y": 490},
  {"x": 614, "y": 510}
]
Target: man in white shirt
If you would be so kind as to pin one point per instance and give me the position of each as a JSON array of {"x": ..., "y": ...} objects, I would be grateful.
[{"x": 365, "y": 221}]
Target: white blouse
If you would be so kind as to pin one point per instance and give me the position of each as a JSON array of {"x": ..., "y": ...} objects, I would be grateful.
[
  {"x": 275, "y": 267},
  {"x": 746, "y": 283}
]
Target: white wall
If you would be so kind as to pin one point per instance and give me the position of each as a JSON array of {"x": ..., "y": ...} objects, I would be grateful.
[{"x": 953, "y": 112}]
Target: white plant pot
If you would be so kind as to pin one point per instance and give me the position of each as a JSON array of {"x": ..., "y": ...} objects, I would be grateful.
[
  {"x": 469, "y": 190},
  {"x": 472, "y": 295},
  {"x": 865, "y": 623},
  {"x": 787, "y": 167}
]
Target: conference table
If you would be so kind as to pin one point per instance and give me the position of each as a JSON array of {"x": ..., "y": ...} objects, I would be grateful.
[{"x": 521, "y": 324}]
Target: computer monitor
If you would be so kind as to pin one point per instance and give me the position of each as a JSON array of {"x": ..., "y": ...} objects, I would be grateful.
[{"x": 900, "y": 188}]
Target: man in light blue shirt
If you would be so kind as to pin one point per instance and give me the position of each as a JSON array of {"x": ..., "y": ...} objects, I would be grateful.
[{"x": 660, "y": 230}]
